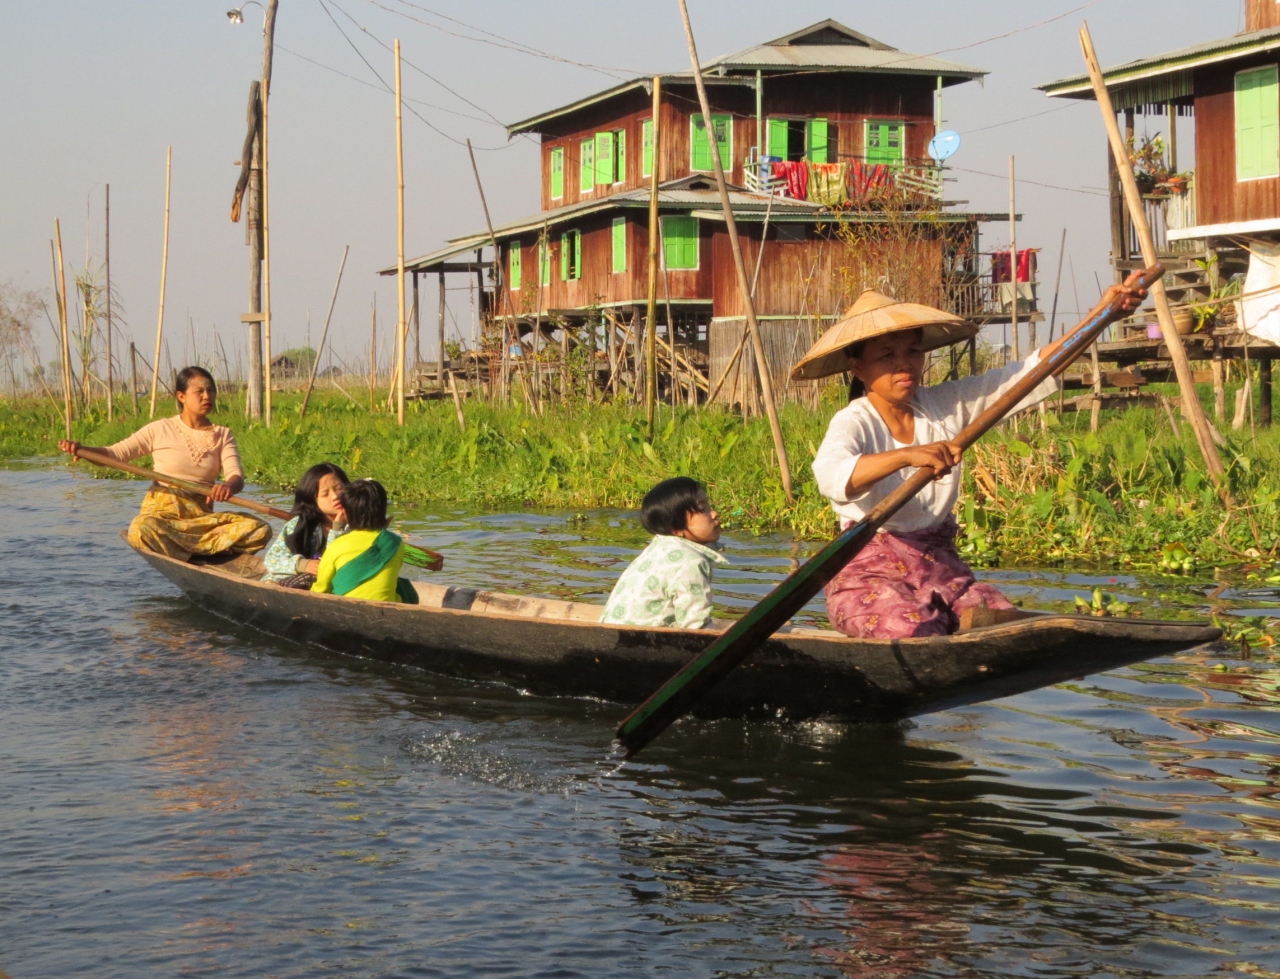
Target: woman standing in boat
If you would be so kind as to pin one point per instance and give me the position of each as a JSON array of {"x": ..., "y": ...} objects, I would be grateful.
[
  {"x": 909, "y": 581},
  {"x": 188, "y": 446}
]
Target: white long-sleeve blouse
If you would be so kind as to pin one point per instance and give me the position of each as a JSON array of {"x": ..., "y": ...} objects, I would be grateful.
[{"x": 941, "y": 412}]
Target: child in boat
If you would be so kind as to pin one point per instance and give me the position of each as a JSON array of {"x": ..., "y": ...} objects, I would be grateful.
[
  {"x": 669, "y": 584},
  {"x": 293, "y": 558},
  {"x": 365, "y": 562}
]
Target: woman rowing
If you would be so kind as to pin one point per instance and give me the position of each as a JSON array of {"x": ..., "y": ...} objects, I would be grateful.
[
  {"x": 909, "y": 581},
  {"x": 190, "y": 447}
]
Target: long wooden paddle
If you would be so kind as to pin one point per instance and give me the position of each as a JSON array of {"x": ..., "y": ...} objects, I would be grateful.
[
  {"x": 679, "y": 693},
  {"x": 417, "y": 556}
]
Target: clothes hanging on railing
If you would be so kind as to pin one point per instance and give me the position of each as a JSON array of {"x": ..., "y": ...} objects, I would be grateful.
[
  {"x": 796, "y": 174},
  {"x": 827, "y": 184},
  {"x": 869, "y": 179},
  {"x": 1026, "y": 265}
]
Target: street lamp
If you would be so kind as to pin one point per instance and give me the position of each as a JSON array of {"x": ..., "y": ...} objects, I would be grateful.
[
  {"x": 260, "y": 249},
  {"x": 237, "y": 16}
]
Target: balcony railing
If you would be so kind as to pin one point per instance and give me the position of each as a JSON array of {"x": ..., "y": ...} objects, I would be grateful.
[{"x": 865, "y": 183}]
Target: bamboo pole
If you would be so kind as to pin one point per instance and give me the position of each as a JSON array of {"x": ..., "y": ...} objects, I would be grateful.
[
  {"x": 441, "y": 312},
  {"x": 373, "y": 351},
  {"x": 133, "y": 376},
  {"x": 400, "y": 324},
  {"x": 457, "y": 400},
  {"x": 1177, "y": 354},
  {"x": 655, "y": 239},
  {"x": 60, "y": 284},
  {"x": 744, "y": 287},
  {"x": 164, "y": 274},
  {"x": 266, "y": 264},
  {"x": 1013, "y": 264},
  {"x": 324, "y": 334},
  {"x": 110, "y": 367}
]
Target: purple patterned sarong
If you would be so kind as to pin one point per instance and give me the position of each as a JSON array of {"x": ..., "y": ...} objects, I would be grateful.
[{"x": 904, "y": 585}]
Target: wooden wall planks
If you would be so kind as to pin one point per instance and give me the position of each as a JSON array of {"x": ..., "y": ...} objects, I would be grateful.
[{"x": 1220, "y": 197}]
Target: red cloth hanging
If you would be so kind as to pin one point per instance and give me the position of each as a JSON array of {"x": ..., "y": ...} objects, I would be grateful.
[
  {"x": 868, "y": 180},
  {"x": 1000, "y": 264},
  {"x": 796, "y": 174}
]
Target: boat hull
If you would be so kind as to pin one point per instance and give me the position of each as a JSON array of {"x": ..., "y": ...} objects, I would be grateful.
[{"x": 797, "y": 674}]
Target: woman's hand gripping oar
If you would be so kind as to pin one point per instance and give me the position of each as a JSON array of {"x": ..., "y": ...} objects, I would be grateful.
[
  {"x": 417, "y": 556},
  {"x": 679, "y": 693}
]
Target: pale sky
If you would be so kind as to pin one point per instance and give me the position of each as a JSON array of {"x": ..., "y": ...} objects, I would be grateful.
[{"x": 95, "y": 91}]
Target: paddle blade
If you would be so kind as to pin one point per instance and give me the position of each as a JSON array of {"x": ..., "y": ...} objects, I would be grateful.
[
  {"x": 420, "y": 557},
  {"x": 675, "y": 696}
]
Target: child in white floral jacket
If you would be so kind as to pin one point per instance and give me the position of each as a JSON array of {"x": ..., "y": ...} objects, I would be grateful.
[{"x": 669, "y": 584}]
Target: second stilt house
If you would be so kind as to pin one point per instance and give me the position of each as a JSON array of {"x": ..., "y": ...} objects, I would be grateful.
[{"x": 824, "y": 137}]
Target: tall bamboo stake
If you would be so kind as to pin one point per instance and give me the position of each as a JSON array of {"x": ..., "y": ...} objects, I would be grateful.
[
  {"x": 373, "y": 351},
  {"x": 60, "y": 283},
  {"x": 1181, "y": 366},
  {"x": 324, "y": 334},
  {"x": 164, "y": 274},
  {"x": 655, "y": 238},
  {"x": 744, "y": 286},
  {"x": 400, "y": 325},
  {"x": 266, "y": 262},
  {"x": 111, "y": 383},
  {"x": 1013, "y": 264}
]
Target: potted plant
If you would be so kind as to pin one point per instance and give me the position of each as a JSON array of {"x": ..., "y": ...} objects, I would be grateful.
[{"x": 1148, "y": 161}]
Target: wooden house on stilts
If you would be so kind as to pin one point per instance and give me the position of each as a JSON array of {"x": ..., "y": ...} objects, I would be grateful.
[{"x": 824, "y": 135}]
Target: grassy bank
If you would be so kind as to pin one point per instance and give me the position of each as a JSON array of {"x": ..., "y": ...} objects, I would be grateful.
[{"x": 1135, "y": 494}]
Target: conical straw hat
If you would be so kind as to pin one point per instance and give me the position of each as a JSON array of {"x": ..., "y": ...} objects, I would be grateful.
[{"x": 874, "y": 315}]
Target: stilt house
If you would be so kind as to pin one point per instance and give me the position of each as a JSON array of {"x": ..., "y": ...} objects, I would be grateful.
[
  {"x": 1212, "y": 219},
  {"x": 823, "y": 134}
]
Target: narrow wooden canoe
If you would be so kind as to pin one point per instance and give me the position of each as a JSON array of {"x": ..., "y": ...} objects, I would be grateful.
[{"x": 562, "y": 649}]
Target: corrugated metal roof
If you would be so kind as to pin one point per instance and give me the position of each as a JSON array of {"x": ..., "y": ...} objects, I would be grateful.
[
  {"x": 837, "y": 48},
  {"x": 1184, "y": 59}
]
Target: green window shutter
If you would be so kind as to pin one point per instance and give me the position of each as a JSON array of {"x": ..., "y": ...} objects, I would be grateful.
[
  {"x": 777, "y": 138},
  {"x": 700, "y": 146},
  {"x": 566, "y": 254},
  {"x": 1257, "y": 123},
  {"x": 646, "y": 148},
  {"x": 557, "y": 173},
  {"x": 587, "y": 164},
  {"x": 619, "y": 244},
  {"x": 620, "y": 142},
  {"x": 544, "y": 261},
  {"x": 513, "y": 265},
  {"x": 884, "y": 142},
  {"x": 604, "y": 158},
  {"x": 680, "y": 241},
  {"x": 577, "y": 254},
  {"x": 817, "y": 140}
]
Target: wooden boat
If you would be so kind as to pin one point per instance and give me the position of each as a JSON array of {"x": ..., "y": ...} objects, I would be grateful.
[{"x": 562, "y": 649}]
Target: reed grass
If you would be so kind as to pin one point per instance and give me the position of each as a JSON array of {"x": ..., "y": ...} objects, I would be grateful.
[{"x": 1133, "y": 495}]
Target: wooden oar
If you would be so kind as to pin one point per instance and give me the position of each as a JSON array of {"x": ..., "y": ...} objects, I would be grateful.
[
  {"x": 679, "y": 693},
  {"x": 417, "y": 556}
]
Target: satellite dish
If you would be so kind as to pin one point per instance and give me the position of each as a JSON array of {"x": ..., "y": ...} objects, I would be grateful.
[{"x": 944, "y": 145}]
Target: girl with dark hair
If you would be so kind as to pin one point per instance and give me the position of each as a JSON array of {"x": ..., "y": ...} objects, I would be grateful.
[
  {"x": 365, "y": 562},
  {"x": 188, "y": 446},
  {"x": 293, "y": 558},
  {"x": 669, "y": 584}
]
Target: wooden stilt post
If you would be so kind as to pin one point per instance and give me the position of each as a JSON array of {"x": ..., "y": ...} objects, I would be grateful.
[
  {"x": 324, "y": 335},
  {"x": 417, "y": 324},
  {"x": 400, "y": 323},
  {"x": 440, "y": 337},
  {"x": 655, "y": 242},
  {"x": 60, "y": 285},
  {"x": 1182, "y": 368},
  {"x": 1264, "y": 391},
  {"x": 111, "y": 378},
  {"x": 1219, "y": 381},
  {"x": 164, "y": 274},
  {"x": 744, "y": 286}
]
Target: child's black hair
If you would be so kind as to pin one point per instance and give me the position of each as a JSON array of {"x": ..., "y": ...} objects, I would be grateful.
[
  {"x": 184, "y": 376},
  {"x": 665, "y": 508},
  {"x": 309, "y": 537},
  {"x": 365, "y": 503}
]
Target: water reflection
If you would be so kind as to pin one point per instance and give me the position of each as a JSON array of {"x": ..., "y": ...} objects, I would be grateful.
[{"x": 183, "y": 794}]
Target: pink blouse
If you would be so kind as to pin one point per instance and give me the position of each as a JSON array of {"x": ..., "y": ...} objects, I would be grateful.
[{"x": 198, "y": 454}]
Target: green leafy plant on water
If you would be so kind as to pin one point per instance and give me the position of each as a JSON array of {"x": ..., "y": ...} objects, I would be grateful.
[{"x": 1103, "y": 605}]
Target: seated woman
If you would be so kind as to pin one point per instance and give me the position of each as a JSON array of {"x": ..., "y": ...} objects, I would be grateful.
[
  {"x": 293, "y": 559},
  {"x": 188, "y": 446},
  {"x": 365, "y": 562},
  {"x": 909, "y": 580}
]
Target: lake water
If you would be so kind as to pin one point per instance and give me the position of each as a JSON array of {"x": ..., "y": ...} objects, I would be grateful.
[{"x": 180, "y": 795}]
